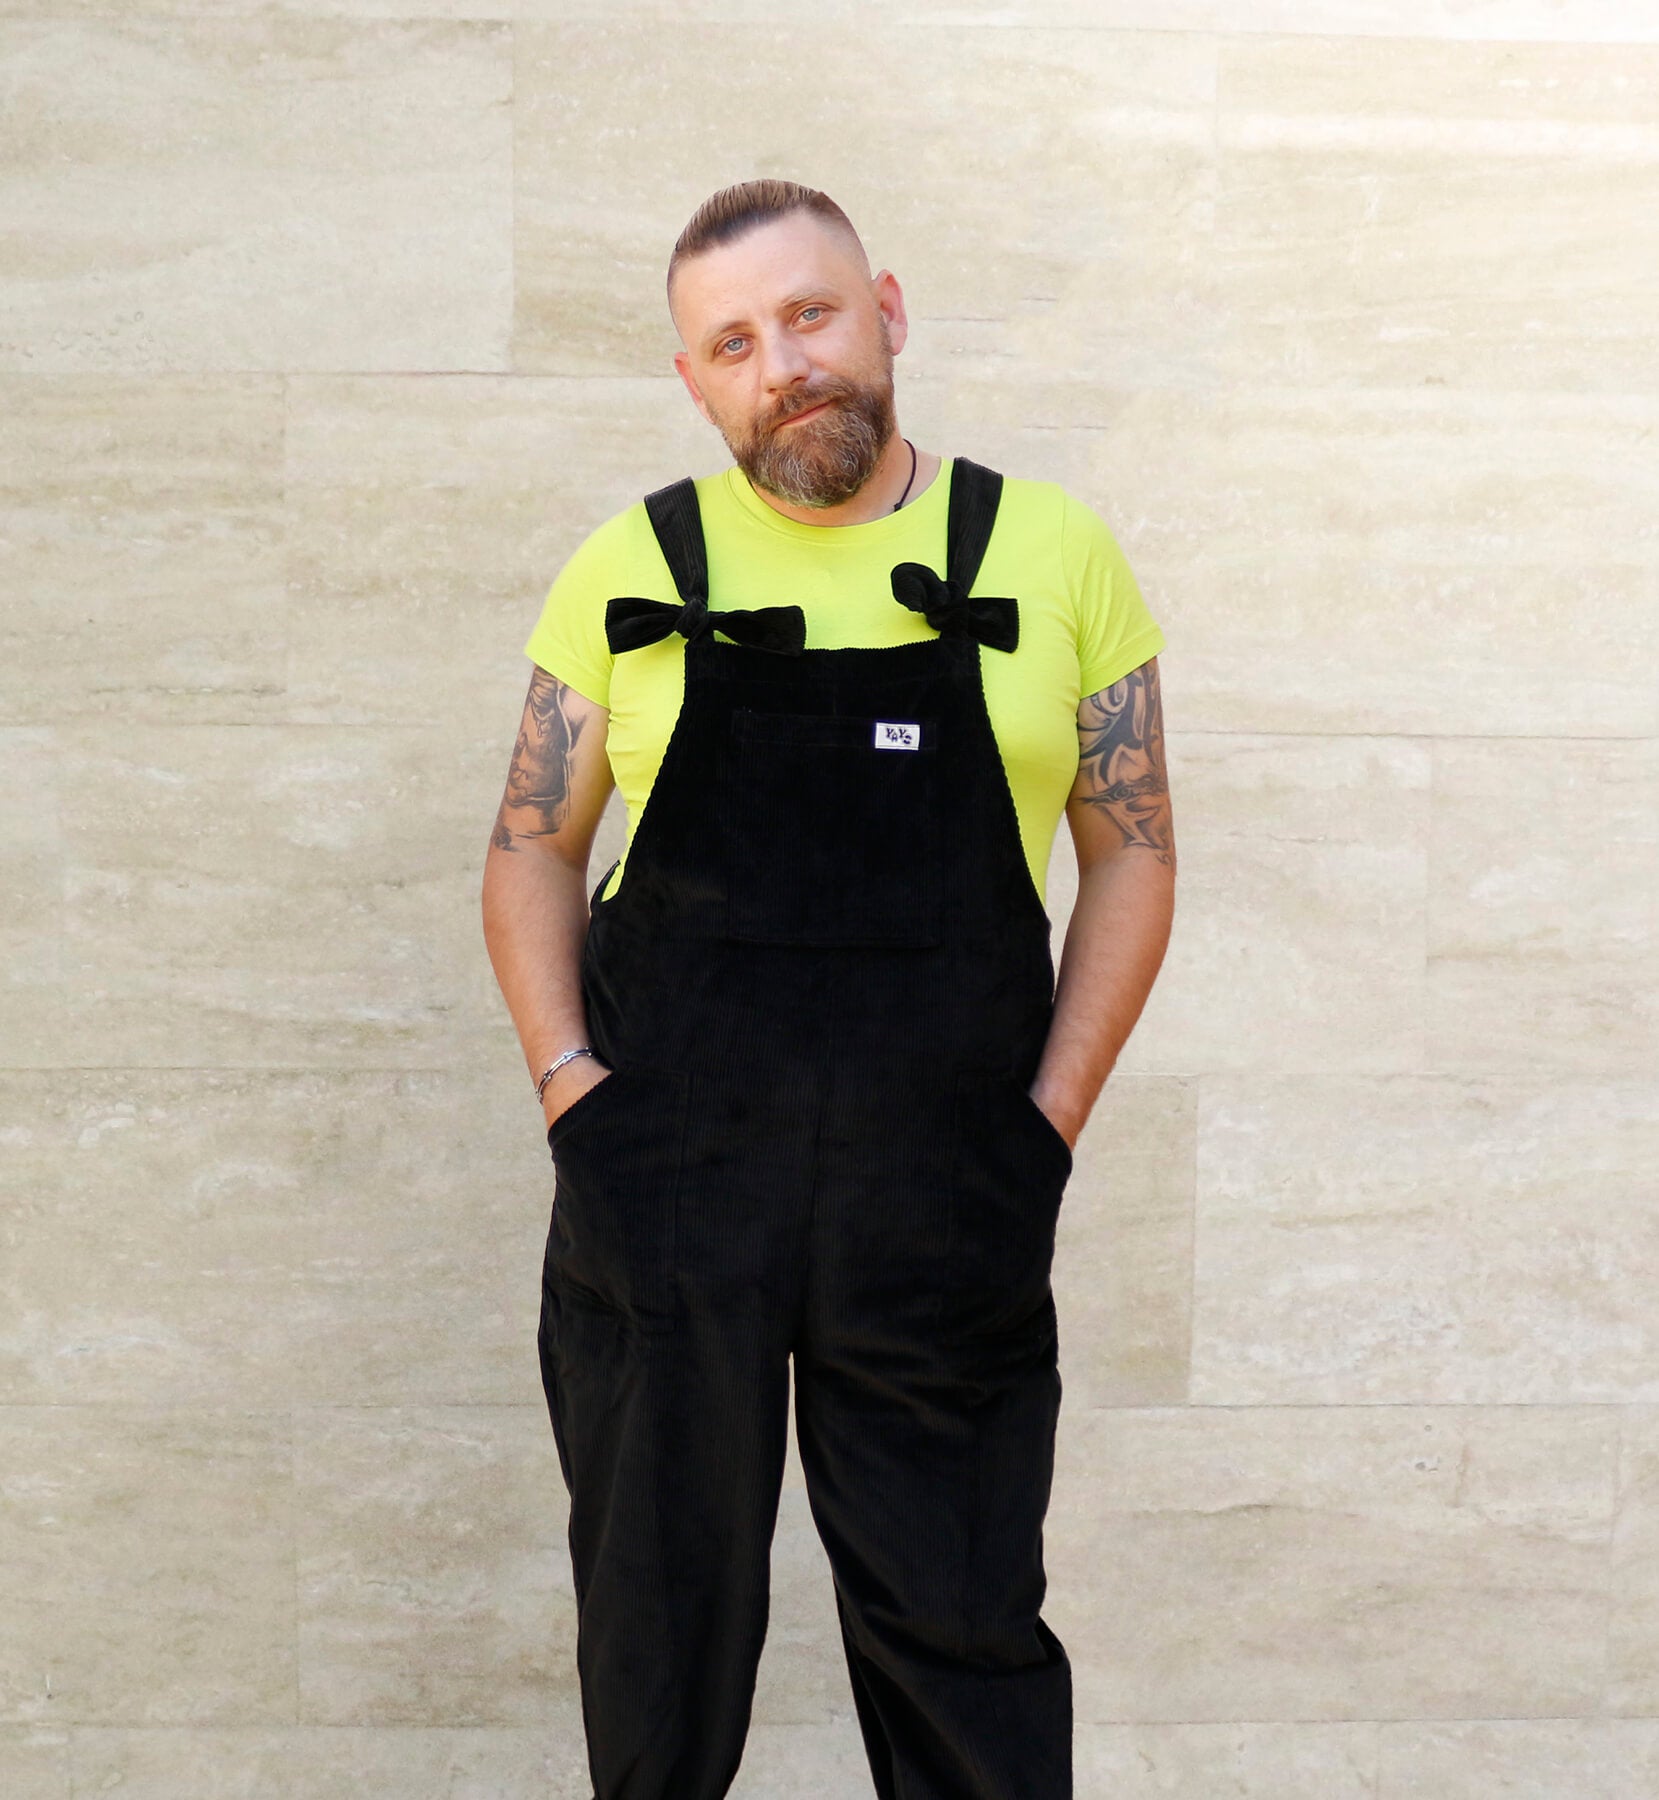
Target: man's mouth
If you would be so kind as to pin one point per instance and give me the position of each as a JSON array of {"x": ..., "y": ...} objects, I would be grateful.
[{"x": 808, "y": 413}]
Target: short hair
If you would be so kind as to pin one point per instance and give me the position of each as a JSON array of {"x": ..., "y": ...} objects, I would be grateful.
[{"x": 740, "y": 208}]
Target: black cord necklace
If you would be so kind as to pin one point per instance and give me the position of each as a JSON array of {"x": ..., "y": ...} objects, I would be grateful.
[{"x": 901, "y": 499}]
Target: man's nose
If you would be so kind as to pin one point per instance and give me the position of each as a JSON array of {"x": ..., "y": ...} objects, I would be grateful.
[{"x": 784, "y": 364}]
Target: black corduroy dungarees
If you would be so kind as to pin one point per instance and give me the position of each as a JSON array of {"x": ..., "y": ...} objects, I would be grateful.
[{"x": 823, "y": 987}]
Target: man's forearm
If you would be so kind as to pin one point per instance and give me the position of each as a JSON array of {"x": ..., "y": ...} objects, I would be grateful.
[
  {"x": 1114, "y": 947},
  {"x": 535, "y": 924}
]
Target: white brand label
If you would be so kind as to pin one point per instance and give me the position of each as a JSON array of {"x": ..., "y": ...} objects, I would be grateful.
[{"x": 890, "y": 736}]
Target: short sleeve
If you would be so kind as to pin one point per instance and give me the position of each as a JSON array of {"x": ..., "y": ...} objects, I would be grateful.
[
  {"x": 1115, "y": 631},
  {"x": 569, "y": 638}
]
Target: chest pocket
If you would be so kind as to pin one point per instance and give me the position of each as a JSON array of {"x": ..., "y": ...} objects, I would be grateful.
[{"x": 833, "y": 828}]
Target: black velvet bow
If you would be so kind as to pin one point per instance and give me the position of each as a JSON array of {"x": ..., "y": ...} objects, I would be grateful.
[
  {"x": 632, "y": 621},
  {"x": 992, "y": 619}
]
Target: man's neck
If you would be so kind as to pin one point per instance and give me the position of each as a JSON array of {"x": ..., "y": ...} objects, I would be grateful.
[{"x": 876, "y": 499}]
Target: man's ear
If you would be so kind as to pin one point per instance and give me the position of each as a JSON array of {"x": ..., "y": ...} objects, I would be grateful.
[
  {"x": 889, "y": 296},
  {"x": 682, "y": 363}
]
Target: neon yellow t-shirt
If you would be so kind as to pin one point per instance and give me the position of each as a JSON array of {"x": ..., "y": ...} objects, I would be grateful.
[{"x": 1083, "y": 623}]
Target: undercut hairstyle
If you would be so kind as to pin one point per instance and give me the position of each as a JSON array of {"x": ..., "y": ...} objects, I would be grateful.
[{"x": 735, "y": 210}]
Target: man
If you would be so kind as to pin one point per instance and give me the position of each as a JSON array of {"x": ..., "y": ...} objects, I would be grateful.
[{"x": 810, "y": 1092}]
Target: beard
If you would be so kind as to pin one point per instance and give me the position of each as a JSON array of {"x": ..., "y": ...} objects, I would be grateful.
[{"x": 826, "y": 459}]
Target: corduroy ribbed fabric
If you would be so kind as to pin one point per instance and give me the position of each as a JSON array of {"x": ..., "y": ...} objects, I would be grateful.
[{"x": 823, "y": 989}]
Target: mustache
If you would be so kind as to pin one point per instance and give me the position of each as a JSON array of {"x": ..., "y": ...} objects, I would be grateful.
[{"x": 820, "y": 399}]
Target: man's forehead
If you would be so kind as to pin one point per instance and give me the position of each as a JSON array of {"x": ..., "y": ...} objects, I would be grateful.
[{"x": 764, "y": 272}]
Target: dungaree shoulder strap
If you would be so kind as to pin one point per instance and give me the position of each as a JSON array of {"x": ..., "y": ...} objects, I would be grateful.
[
  {"x": 949, "y": 604},
  {"x": 678, "y": 523},
  {"x": 634, "y": 620},
  {"x": 975, "y": 493}
]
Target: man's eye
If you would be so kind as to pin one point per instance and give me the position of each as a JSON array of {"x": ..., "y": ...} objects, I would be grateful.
[
  {"x": 730, "y": 340},
  {"x": 810, "y": 309}
]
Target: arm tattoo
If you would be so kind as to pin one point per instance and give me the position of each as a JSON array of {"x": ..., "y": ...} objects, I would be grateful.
[
  {"x": 538, "y": 783},
  {"x": 1120, "y": 734}
]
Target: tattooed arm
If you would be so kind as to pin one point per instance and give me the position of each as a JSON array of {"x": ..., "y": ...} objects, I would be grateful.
[
  {"x": 1120, "y": 800},
  {"x": 554, "y": 798},
  {"x": 535, "y": 894},
  {"x": 1119, "y": 813}
]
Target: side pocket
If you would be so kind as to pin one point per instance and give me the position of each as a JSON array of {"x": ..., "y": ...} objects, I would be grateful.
[
  {"x": 572, "y": 1115},
  {"x": 618, "y": 1150},
  {"x": 1046, "y": 1127},
  {"x": 1009, "y": 1169}
]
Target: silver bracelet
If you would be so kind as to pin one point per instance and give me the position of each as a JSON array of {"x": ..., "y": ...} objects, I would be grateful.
[{"x": 558, "y": 1062}]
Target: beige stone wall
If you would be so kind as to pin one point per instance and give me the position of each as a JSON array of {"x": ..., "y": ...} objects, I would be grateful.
[{"x": 326, "y": 331}]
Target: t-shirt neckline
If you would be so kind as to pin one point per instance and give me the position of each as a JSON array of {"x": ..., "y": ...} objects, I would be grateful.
[{"x": 932, "y": 501}]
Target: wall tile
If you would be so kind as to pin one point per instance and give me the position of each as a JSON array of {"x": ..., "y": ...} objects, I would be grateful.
[
  {"x": 1359, "y": 1563},
  {"x": 258, "y": 193},
  {"x": 149, "y": 1554}
]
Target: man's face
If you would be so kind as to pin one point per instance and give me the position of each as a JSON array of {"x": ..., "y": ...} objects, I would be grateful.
[{"x": 781, "y": 324}]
